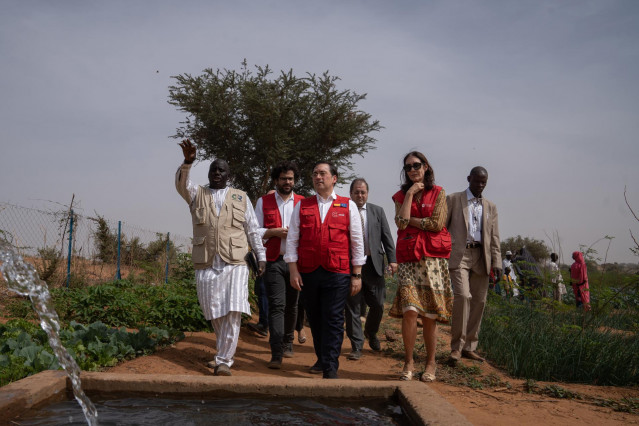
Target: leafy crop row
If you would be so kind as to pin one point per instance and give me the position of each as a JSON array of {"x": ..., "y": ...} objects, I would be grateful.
[
  {"x": 125, "y": 304},
  {"x": 24, "y": 348}
]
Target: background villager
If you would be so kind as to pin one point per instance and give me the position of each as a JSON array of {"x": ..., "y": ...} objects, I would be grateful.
[
  {"x": 579, "y": 280},
  {"x": 423, "y": 248},
  {"x": 507, "y": 284},
  {"x": 507, "y": 262},
  {"x": 558, "y": 287}
]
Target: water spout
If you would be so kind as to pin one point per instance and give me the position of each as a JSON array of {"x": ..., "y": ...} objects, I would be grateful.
[{"x": 23, "y": 278}]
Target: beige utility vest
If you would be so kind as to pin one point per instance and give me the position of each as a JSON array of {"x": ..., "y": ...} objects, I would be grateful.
[{"x": 223, "y": 234}]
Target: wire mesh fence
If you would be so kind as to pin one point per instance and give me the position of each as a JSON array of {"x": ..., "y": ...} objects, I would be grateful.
[{"x": 71, "y": 249}]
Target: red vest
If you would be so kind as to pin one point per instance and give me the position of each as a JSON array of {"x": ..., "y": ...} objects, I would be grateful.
[
  {"x": 415, "y": 243},
  {"x": 272, "y": 219},
  {"x": 324, "y": 244}
]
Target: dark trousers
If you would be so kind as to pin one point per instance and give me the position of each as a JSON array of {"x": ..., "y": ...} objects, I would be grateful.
[
  {"x": 325, "y": 296},
  {"x": 282, "y": 305},
  {"x": 301, "y": 314},
  {"x": 262, "y": 301},
  {"x": 374, "y": 294}
]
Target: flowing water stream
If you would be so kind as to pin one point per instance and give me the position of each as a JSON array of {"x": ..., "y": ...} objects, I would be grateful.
[{"x": 23, "y": 278}]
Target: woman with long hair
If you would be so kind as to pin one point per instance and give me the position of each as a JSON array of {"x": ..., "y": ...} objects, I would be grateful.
[
  {"x": 423, "y": 249},
  {"x": 579, "y": 279}
]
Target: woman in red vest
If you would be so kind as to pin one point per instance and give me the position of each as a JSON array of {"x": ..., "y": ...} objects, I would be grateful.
[{"x": 423, "y": 249}]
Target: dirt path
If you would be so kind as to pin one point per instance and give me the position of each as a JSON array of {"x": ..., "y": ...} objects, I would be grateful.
[{"x": 502, "y": 403}]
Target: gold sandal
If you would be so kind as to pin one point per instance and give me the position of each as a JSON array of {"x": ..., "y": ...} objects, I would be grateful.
[
  {"x": 428, "y": 377},
  {"x": 406, "y": 375}
]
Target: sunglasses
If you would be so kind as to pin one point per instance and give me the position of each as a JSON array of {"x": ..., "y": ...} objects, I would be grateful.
[{"x": 414, "y": 166}]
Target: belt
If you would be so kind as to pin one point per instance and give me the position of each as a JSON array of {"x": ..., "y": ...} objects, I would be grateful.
[{"x": 473, "y": 245}]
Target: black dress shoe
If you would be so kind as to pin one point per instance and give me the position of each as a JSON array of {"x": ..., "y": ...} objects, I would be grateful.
[
  {"x": 275, "y": 363},
  {"x": 258, "y": 328},
  {"x": 332, "y": 374},
  {"x": 287, "y": 350},
  {"x": 316, "y": 369},
  {"x": 373, "y": 342},
  {"x": 354, "y": 355}
]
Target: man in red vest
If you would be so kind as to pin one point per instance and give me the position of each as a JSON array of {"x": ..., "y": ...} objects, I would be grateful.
[
  {"x": 323, "y": 244},
  {"x": 273, "y": 213}
]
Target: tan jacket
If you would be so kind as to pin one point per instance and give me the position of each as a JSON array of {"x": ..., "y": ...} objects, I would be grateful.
[
  {"x": 457, "y": 224},
  {"x": 213, "y": 234}
]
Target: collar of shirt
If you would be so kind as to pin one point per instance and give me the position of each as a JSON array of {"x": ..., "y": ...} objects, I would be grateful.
[
  {"x": 326, "y": 200},
  {"x": 278, "y": 197},
  {"x": 470, "y": 195},
  {"x": 363, "y": 207}
]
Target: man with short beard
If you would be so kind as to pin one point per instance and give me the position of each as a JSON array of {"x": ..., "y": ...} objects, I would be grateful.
[
  {"x": 273, "y": 213},
  {"x": 223, "y": 223}
]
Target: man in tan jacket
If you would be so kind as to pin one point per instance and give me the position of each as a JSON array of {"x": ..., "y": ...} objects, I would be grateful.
[
  {"x": 224, "y": 223},
  {"x": 472, "y": 223}
]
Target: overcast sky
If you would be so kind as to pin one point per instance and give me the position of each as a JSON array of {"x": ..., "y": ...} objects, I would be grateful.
[{"x": 544, "y": 94}]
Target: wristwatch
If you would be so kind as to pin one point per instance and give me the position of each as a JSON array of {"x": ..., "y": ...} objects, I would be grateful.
[{"x": 356, "y": 275}]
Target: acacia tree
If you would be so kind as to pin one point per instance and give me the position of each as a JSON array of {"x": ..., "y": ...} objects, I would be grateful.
[{"x": 254, "y": 121}]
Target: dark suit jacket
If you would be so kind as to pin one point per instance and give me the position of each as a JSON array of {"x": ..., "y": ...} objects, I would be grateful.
[
  {"x": 380, "y": 239},
  {"x": 457, "y": 224}
]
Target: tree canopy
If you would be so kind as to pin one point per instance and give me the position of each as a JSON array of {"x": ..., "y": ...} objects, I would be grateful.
[
  {"x": 537, "y": 248},
  {"x": 256, "y": 120}
]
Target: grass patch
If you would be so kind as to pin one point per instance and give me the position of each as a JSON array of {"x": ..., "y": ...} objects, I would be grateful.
[{"x": 551, "y": 343}]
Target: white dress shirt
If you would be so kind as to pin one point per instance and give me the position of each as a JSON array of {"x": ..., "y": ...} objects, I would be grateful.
[
  {"x": 286, "y": 210},
  {"x": 475, "y": 212},
  {"x": 355, "y": 230}
]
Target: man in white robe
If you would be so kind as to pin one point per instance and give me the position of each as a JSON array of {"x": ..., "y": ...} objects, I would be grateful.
[{"x": 223, "y": 222}]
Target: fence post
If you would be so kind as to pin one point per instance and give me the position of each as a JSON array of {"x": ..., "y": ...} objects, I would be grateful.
[
  {"x": 166, "y": 272},
  {"x": 118, "y": 276},
  {"x": 70, "y": 248}
]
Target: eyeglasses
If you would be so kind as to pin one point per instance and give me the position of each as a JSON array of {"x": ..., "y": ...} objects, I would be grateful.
[{"x": 414, "y": 166}]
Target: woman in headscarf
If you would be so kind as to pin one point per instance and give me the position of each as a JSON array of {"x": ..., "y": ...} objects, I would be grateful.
[
  {"x": 423, "y": 249},
  {"x": 579, "y": 279}
]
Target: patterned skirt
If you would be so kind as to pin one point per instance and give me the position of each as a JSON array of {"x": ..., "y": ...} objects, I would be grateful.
[{"x": 424, "y": 286}]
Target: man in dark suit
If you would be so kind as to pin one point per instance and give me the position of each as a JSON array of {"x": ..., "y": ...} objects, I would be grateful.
[
  {"x": 472, "y": 223},
  {"x": 378, "y": 241}
]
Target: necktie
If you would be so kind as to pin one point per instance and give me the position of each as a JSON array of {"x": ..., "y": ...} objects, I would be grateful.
[{"x": 361, "y": 216}]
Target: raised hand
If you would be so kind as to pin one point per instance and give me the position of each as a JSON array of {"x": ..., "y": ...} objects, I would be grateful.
[{"x": 188, "y": 149}]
